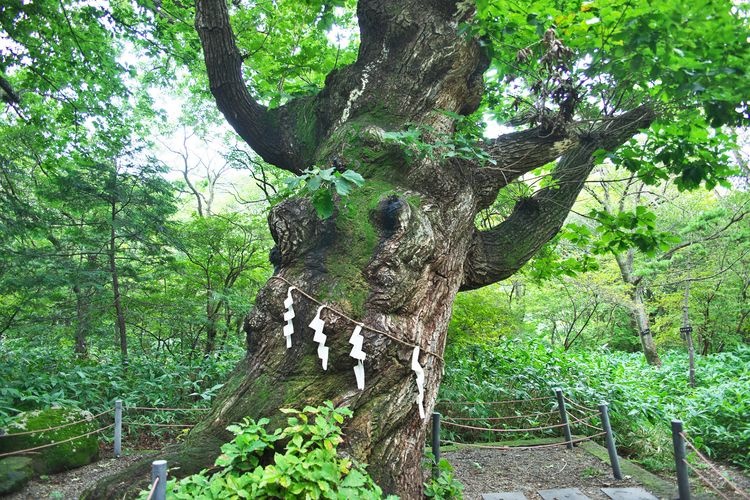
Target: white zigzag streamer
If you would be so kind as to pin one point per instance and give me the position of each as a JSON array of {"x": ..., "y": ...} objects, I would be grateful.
[
  {"x": 317, "y": 324},
  {"x": 420, "y": 381},
  {"x": 357, "y": 353},
  {"x": 288, "y": 316}
]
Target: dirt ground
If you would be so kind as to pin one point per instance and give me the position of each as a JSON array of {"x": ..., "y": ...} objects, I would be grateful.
[
  {"x": 479, "y": 470},
  {"x": 69, "y": 485},
  {"x": 495, "y": 471}
]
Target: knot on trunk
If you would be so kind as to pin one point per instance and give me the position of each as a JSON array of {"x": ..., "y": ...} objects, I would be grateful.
[
  {"x": 295, "y": 228},
  {"x": 407, "y": 243}
]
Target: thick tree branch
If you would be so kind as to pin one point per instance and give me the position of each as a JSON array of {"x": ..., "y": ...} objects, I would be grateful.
[
  {"x": 269, "y": 133},
  {"x": 517, "y": 153},
  {"x": 8, "y": 95},
  {"x": 499, "y": 252}
]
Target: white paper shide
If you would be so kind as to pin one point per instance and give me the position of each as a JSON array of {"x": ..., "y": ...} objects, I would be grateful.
[
  {"x": 317, "y": 325},
  {"x": 288, "y": 317},
  {"x": 357, "y": 353},
  {"x": 419, "y": 372}
]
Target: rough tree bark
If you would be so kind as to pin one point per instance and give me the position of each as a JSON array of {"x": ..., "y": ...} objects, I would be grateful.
[{"x": 399, "y": 249}]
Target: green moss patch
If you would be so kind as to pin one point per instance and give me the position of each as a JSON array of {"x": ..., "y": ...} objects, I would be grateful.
[
  {"x": 356, "y": 241},
  {"x": 64, "y": 456},
  {"x": 15, "y": 472}
]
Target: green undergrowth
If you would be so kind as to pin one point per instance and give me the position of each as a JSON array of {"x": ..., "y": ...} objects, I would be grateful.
[
  {"x": 93, "y": 384},
  {"x": 299, "y": 461},
  {"x": 642, "y": 399}
]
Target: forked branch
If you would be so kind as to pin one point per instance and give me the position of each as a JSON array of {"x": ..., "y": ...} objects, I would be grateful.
[
  {"x": 261, "y": 128},
  {"x": 499, "y": 252}
]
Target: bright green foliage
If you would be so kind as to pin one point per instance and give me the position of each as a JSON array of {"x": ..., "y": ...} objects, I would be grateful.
[
  {"x": 444, "y": 486},
  {"x": 64, "y": 456},
  {"x": 642, "y": 399},
  {"x": 293, "y": 45},
  {"x": 549, "y": 57},
  {"x": 486, "y": 315},
  {"x": 622, "y": 231},
  {"x": 157, "y": 379},
  {"x": 321, "y": 185},
  {"x": 253, "y": 466}
]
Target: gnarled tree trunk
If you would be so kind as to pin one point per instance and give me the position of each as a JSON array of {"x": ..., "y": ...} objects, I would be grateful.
[{"x": 396, "y": 251}]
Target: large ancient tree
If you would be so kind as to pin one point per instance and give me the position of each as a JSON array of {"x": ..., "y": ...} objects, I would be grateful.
[{"x": 395, "y": 252}]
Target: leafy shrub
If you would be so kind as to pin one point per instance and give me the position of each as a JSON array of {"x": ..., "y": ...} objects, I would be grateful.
[
  {"x": 310, "y": 467},
  {"x": 93, "y": 384},
  {"x": 444, "y": 486}
]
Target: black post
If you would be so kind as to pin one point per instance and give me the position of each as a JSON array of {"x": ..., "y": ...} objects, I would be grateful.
[
  {"x": 564, "y": 418},
  {"x": 610, "y": 439},
  {"x": 435, "y": 443},
  {"x": 683, "y": 483}
]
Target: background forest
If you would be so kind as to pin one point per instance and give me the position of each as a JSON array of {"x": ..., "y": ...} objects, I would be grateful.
[{"x": 133, "y": 239}]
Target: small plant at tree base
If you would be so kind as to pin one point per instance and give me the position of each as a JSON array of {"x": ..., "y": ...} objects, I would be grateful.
[
  {"x": 444, "y": 485},
  {"x": 253, "y": 466}
]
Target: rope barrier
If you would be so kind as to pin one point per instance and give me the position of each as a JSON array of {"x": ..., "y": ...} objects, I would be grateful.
[
  {"x": 352, "y": 320},
  {"x": 579, "y": 406},
  {"x": 148, "y": 424},
  {"x": 151, "y": 408},
  {"x": 507, "y": 401},
  {"x": 533, "y": 447},
  {"x": 586, "y": 424},
  {"x": 49, "y": 429},
  {"x": 153, "y": 488},
  {"x": 508, "y": 417},
  {"x": 18, "y": 452},
  {"x": 713, "y": 468},
  {"x": 503, "y": 430},
  {"x": 705, "y": 480}
]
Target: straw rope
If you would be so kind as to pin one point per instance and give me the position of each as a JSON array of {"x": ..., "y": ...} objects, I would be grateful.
[
  {"x": 352, "y": 320},
  {"x": 49, "y": 429},
  {"x": 149, "y": 424},
  {"x": 463, "y": 426},
  {"x": 507, "y": 401},
  {"x": 153, "y": 488},
  {"x": 713, "y": 468},
  {"x": 533, "y": 447},
  {"x": 493, "y": 419},
  {"x": 578, "y": 406},
  {"x": 705, "y": 480},
  {"x": 151, "y": 408}
]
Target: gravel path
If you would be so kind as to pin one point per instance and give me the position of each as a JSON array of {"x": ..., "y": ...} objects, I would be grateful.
[
  {"x": 493, "y": 471},
  {"x": 71, "y": 484}
]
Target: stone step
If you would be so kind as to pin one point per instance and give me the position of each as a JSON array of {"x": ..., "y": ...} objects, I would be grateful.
[
  {"x": 505, "y": 495},
  {"x": 563, "y": 494},
  {"x": 628, "y": 494}
]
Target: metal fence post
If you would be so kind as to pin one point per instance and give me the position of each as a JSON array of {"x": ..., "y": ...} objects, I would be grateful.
[
  {"x": 159, "y": 469},
  {"x": 614, "y": 460},
  {"x": 564, "y": 418},
  {"x": 118, "y": 428},
  {"x": 683, "y": 483},
  {"x": 435, "y": 443}
]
